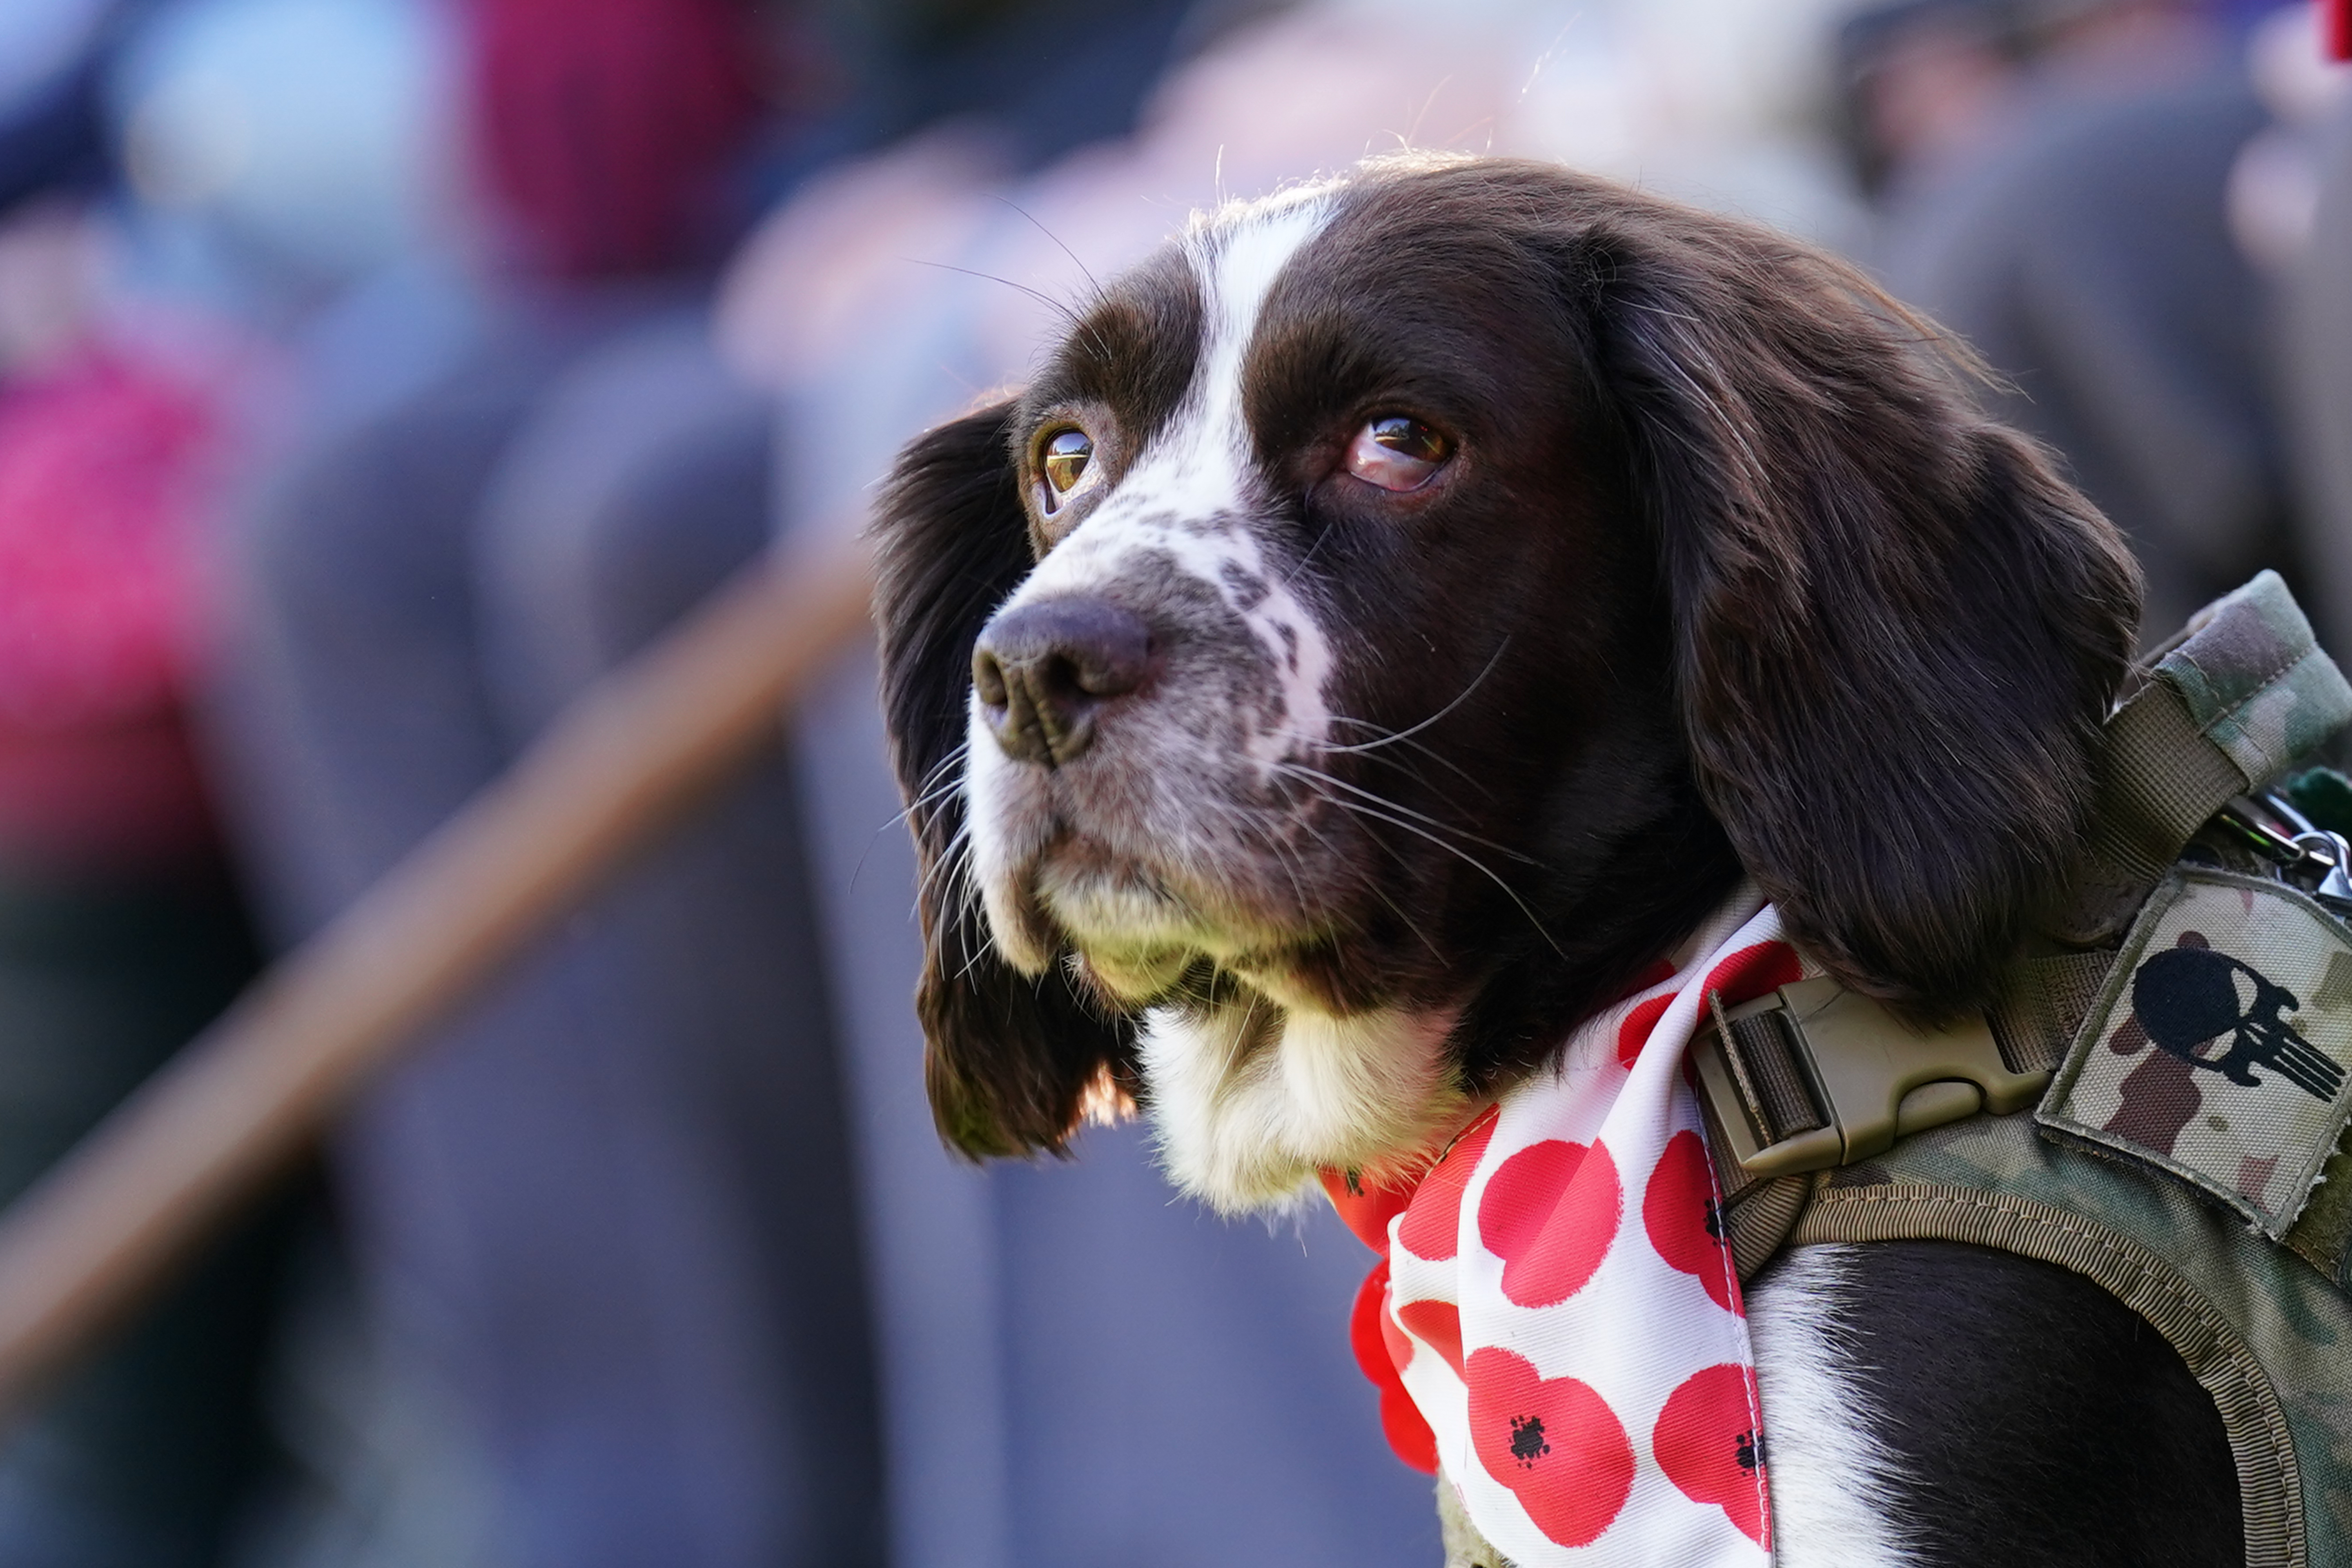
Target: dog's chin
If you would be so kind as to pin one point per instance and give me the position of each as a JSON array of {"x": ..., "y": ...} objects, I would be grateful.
[
  {"x": 1135, "y": 935},
  {"x": 1251, "y": 1100},
  {"x": 1133, "y": 939},
  {"x": 1254, "y": 1079}
]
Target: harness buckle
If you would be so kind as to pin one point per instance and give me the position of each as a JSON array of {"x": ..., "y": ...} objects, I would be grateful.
[{"x": 1816, "y": 1076}]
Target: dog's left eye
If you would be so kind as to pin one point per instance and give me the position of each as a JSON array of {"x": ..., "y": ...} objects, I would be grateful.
[
  {"x": 1397, "y": 452},
  {"x": 1067, "y": 457}
]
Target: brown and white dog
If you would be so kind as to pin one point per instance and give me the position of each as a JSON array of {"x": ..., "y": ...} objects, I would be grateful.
[{"x": 1396, "y": 615}]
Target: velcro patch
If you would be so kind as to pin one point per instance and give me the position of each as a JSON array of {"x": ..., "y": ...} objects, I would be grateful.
[{"x": 2221, "y": 1047}]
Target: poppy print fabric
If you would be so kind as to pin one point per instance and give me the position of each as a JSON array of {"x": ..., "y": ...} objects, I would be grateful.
[{"x": 1556, "y": 1303}]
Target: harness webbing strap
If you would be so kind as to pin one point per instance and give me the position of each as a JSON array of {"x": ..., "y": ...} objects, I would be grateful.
[
  {"x": 2163, "y": 780},
  {"x": 1762, "y": 1051},
  {"x": 1756, "y": 1213},
  {"x": 2044, "y": 1004},
  {"x": 2222, "y": 711},
  {"x": 2322, "y": 1235},
  {"x": 2033, "y": 1024}
]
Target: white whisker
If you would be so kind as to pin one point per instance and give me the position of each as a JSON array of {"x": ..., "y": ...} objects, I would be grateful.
[
  {"x": 1464, "y": 855},
  {"x": 1302, "y": 770},
  {"x": 1475, "y": 682}
]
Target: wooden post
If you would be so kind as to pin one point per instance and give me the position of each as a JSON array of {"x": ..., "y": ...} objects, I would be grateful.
[{"x": 234, "y": 1107}]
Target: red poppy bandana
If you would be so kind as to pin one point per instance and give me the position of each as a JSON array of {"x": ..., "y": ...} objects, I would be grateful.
[{"x": 1556, "y": 1323}]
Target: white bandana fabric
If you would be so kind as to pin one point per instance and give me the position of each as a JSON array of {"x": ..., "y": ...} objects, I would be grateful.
[{"x": 1559, "y": 1302}]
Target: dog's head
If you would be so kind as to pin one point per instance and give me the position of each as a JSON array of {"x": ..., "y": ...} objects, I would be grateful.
[{"x": 1402, "y": 609}]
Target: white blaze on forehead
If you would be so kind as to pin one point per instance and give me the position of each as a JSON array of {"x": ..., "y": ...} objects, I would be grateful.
[
  {"x": 1189, "y": 497},
  {"x": 1208, "y": 444}
]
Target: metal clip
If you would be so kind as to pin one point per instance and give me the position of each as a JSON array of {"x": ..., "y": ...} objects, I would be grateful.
[
  {"x": 1873, "y": 1077},
  {"x": 2317, "y": 862},
  {"x": 2329, "y": 854}
]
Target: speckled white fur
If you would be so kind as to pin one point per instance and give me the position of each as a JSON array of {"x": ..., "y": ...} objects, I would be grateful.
[
  {"x": 1246, "y": 1112},
  {"x": 1187, "y": 495}
]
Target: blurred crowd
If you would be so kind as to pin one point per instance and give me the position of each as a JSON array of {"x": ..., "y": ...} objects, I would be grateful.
[{"x": 376, "y": 374}]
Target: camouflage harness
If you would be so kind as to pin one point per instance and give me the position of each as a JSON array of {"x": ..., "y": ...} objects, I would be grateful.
[{"x": 2182, "y": 1040}]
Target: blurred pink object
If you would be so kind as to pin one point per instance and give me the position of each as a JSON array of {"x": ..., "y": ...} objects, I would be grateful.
[
  {"x": 99, "y": 464},
  {"x": 605, "y": 126},
  {"x": 2339, "y": 28}
]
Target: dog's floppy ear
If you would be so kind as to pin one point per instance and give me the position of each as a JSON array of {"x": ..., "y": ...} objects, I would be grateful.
[
  {"x": 1011, "y": 1059},
  {"x": 1897, "y": 631}
]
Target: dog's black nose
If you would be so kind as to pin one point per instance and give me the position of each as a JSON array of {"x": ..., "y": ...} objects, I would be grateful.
[{"x": 1044, "y": 670}]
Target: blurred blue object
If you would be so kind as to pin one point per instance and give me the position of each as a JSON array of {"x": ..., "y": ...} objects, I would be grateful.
[
  {"x": 53, "y": 56},
  {"x": 41, "y": 40},
  {"x": 301, "y": 142}
]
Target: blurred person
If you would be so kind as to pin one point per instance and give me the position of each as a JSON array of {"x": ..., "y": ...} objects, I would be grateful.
[
  {"x": 122, "y": 933},
  {"x": 121, "y": 929},
  {"x": 2276, "y": 182},
  {"x": 2299, "y": 199},
  {"x": 1922, "y": 83},
  {"x": 608, "y": 1301},
  {"x": 1927, "y": 86},
  {"x": 2073, "y": 227}
]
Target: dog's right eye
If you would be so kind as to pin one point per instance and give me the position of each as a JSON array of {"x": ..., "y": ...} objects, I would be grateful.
[
  {"x": 1397, "y": 452},
  {"x": 1067, "y": 458}
]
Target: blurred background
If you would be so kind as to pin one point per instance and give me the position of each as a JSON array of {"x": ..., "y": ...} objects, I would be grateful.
[{"x": 374, "y": 374}]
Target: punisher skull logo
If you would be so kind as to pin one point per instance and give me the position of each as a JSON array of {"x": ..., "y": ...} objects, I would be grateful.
[{"x": 2191, "y": 999}]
